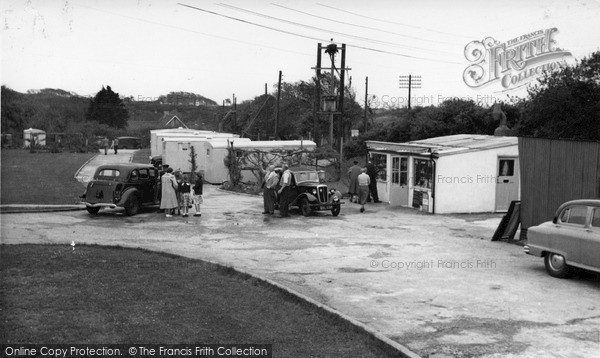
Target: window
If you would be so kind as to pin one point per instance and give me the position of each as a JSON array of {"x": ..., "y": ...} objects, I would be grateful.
[
  {"x": 143, "y": 174},
  {"x": 396, "y": 170},
  {"x": 380, "y": 162},
  {"x": 403, "y": 171},
  {"x": 506, "y": 168},
  {"x": 108, "y": 174},
  {"x": 423, "y": 173},
  {"x": 400, "y": 170},
  {"x": 574, "y": 215},
  {"x": 596, "y": 218}
]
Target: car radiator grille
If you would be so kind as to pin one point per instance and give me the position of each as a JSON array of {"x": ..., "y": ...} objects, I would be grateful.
[{"x": 322, "y": 190}]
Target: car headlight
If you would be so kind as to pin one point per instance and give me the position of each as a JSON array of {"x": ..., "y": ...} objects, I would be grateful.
[
  {"x": 314, "y": 192},
  {"x": 335, "y": 198}
]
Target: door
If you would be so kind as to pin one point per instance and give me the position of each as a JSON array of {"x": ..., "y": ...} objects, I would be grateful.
[
  {"x": 590, "y": 245},
  {"x": 399, "y": 181},
  {"x": 507, "y": 183}
]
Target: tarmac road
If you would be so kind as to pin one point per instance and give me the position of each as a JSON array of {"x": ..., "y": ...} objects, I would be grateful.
[{"x": 435, "y": 284}]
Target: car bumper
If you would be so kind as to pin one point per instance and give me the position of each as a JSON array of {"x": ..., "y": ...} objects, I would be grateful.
[
  {"x": 325, "y": 206},
  {"x": 533, "y": 250},
  {"x": 100, "y": 205}
]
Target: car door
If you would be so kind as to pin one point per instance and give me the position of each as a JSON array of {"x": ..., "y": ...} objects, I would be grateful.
[
  {"x": 570, "y": 231},
  {"x": 590, "y": 244}
]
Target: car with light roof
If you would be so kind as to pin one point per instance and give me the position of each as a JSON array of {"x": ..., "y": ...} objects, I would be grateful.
[{"x": 571, "y": 239}]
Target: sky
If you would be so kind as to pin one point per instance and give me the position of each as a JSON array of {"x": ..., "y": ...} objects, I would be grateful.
[{"x": 147, "y": 48}]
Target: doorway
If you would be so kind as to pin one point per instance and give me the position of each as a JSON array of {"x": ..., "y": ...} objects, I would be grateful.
[{"x": 507, "y": 182}]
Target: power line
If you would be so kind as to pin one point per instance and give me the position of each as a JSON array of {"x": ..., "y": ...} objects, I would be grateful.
[
  {"x": 313, "y": 38},
  {"x": 393, "y": 22},
  {"x": 360, "y": 26},
  {"x": 330, "y": 31}
]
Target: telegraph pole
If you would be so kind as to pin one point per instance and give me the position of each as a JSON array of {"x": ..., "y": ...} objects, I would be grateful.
[
  {"x": 277, "y": 106},
  {"x": 366, "y": 103},
  {"x": 317, "y": 106},
  {"x": 410, "y": 82}
]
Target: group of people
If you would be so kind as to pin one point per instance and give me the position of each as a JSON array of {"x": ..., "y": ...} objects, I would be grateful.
[
  {"x": 114, "y": 145},
  {"x": 276, "y": 187},
  {"x": 178, "y": 194},
  {"x": 363, "y": 184}
]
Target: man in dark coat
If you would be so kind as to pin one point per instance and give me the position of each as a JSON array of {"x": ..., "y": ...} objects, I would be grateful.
[
  {"x": 353, "y": 174},
  {"x": 372, "y": 173}
]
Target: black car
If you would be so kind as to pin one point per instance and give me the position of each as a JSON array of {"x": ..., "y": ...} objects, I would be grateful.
[
  {"x": 128, "y": 186},
  {"x": 130, "y": 143},
  {"x": 309, "y": 194}
]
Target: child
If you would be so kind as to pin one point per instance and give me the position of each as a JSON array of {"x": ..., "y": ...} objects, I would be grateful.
[
  {"x": 186, "y": 197},
  {"x": 198, "y": 194}
]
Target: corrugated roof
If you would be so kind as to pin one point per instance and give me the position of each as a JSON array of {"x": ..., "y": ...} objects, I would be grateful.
[
  {"x": 447, "y": 145},
  {"x": 268, "y": 144}
]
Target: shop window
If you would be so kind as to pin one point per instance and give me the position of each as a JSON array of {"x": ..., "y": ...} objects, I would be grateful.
[
  {"x": 379, "y": 161},
  {"x": 423, "y": 170}
]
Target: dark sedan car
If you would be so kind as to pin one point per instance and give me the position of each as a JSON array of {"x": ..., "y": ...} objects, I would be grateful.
[
  {"x": 309, "y": 194},
  {"x": 572, "y": 238},
  {"x": 128, "y": 186}
]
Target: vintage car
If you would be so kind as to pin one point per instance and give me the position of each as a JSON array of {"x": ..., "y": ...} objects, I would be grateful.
[
  {"x": 571, "y": 239},
  {"x": 130, "y": 143},
  {"x": 309, "y": 194},
  {"x": 128, "y": 186}
]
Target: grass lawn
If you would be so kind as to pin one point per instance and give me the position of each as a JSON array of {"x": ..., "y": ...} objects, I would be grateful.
[
  {"x": 40, "y": 178},
  {"x": 96, "y": 294}
]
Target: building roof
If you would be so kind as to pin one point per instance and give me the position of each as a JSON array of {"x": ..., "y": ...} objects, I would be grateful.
[
  {"x": 446, "y": 145},
  {"x": 267, "y": 144}
]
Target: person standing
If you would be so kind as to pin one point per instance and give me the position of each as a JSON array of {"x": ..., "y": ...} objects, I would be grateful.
[
  {"x": 363, "y": 188},
  {"x": 271, "y": 192},
  {"x": 268, "y": 194},
  {"x": 168, "y": 200},
  {"x": 185, "y": 195},
  {"x": 353, "y": 173},
  {"x": 105, "y": 145},
  {"x": 115, "y": 144},
  {"x": 372, "y": 173},
  {"x": 284, "y": 191},
  {"x": 198, "y": 194}
]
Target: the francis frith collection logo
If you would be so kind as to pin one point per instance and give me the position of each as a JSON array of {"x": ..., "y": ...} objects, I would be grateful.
[{"x": 513, "y": 63}]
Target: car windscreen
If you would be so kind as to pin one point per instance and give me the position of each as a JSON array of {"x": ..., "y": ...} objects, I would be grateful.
[{"x": 306, "y": 176}]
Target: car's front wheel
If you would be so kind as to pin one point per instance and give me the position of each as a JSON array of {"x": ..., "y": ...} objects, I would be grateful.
[
  {"x": 556, "y": 265},
  {"x": 335, "y": 211},
  {"x": 305, "y": 207},
  {"x": 92, "y": 210},
  {"x": 132, "y": 206}
]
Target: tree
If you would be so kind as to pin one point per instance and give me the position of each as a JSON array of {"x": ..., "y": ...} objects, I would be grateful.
[
  {"x": 107, "y": 108},
  {"x": 565, "y": 103}
]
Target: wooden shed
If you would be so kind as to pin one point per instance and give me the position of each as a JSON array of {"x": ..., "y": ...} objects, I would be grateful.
[{"x": 554, "y": 171}]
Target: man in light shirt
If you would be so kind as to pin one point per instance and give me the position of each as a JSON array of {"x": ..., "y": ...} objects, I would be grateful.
[{"x": 363, "y": 188}]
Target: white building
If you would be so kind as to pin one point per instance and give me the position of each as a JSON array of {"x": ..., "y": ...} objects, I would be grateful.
[
  {"x": 32, "y": 135},
  {"x": 176, "y": 150},
  {"x": 157, "y": 136},
  {"x": 463, "y": 173},
  {"x": 217, "y": 151}
]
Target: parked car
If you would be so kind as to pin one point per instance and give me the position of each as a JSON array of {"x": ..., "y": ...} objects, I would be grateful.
[
  {"x": 130, "y": 143},
  {"x": 571, "y": 239},
  {"x": 128, "y": 186},
  {"x": 309, "y": 194}
]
